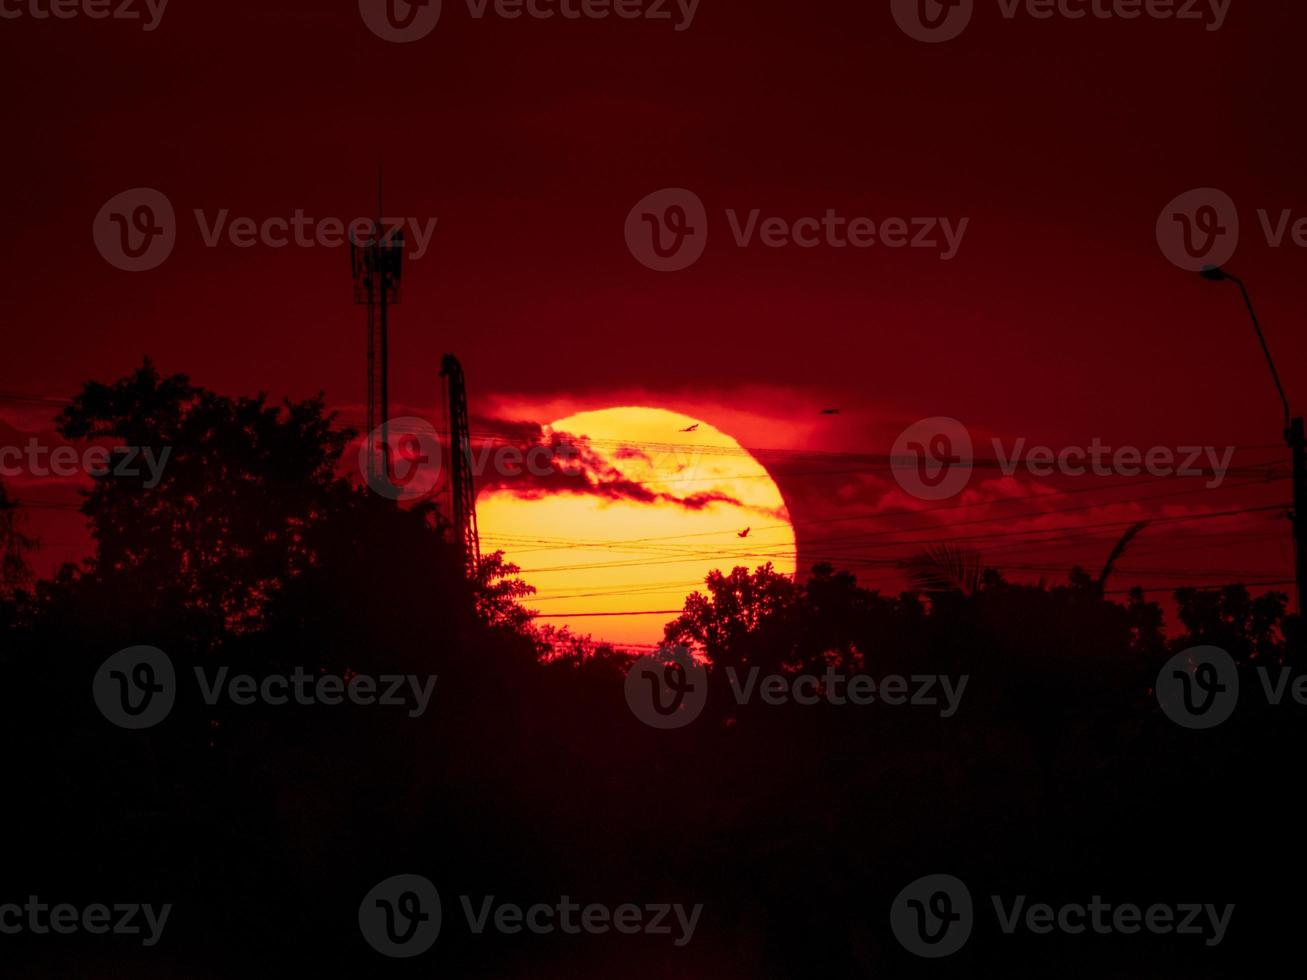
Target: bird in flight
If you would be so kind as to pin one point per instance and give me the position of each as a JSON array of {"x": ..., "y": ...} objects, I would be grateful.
[
  {"x": 744, "y": 533},
  {"x": 830, "y": 411},
  {"x": 691, "y": 428}
]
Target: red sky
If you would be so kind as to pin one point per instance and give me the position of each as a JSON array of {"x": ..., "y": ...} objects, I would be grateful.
[{"x": 1060, "y": 140}]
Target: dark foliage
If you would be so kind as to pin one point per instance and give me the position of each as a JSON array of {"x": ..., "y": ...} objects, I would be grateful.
[{"x": 529, "y": 778}]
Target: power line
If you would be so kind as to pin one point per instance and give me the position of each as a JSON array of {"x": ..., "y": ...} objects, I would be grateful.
[
  {"x": 863, "y": 539},
  {"x": 1247, "y": 576},
  {"x": 920, "y": 541},
  {"x": 637, "y": 612},
  {"x": 901, "y": 511},
  {"x": 677, "y": 612}
]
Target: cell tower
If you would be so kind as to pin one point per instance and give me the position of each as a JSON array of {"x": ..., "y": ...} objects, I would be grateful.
[
  {"x": 462, "y": 494},
  {"x": 377, "y": 265}
]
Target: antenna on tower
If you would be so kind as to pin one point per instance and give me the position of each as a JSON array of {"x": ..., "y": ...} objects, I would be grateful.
[
  {"x": 462, "y": 492},
  {"x": 377, "y": 264}
]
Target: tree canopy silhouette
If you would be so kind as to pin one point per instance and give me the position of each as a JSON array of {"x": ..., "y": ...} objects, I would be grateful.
[{"x": 531, "y": 777}]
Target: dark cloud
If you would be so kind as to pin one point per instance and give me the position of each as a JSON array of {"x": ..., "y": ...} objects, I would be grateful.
[{"x": 521, "y": 459}]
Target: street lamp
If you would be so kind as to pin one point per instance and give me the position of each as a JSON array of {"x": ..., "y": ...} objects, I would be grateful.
[{"x": 1293, "y": 435}]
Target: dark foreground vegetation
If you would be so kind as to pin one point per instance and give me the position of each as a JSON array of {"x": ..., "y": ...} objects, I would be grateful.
[{"x": 529, "y": 778}]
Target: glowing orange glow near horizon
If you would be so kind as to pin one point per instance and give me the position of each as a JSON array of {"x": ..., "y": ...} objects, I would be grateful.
[{"x": 589, "y": 553}]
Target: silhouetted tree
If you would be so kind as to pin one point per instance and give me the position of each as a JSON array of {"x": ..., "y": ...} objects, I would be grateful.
[
  {"x": 744, "y": 620},
  {"x": 530, "y": 777},
  {"x": 499, "y": 591},
  {"x": 1247, "y": 628},
  {"x": 242, "y": 486},
  {"x": 15, "y": 547},
  {"x": 946, "y": 568}
]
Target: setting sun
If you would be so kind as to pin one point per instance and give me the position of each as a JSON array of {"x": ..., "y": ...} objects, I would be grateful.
[{"x": 675, "y": 499}]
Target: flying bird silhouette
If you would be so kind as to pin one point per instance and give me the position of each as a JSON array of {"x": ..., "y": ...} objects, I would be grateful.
[
  {"x": 691, "y": 428},
  {"x": 830, "y": 411},
  {"x": 744, "y": 533}
]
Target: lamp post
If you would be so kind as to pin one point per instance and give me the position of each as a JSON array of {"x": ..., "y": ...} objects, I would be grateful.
[{"x": 1293, "y": 435}]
